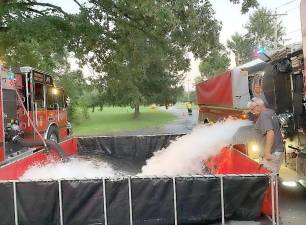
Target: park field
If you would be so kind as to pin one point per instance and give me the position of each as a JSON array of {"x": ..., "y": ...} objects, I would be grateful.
[{"x": 113, "y": 120}]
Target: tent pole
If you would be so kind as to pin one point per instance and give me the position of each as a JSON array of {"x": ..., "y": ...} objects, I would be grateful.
[
  {"x": 104, "y": 202},
  {"x": 15, "y": 203},
  {"x": 174, "y": 201},
  {"x": 222, "y": 200}
]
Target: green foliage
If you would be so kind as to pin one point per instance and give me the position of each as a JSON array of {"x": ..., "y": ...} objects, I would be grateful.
[
  {"x": 263, "y": 26},
  {"x": 186, "y": 97},
  {"x": 261, "y": 30},
  {"x": 84, "y": 103},
  {"x": 138, "y": 48},
  {"x": 242, "y": 46},
  {"x": 28, "y": 38},
  {"x": 74, "y": 85},
  {"x": 217, "y": 62},
  {"x": 246, "y": 4},
  {"x": 143, "y": 55}
]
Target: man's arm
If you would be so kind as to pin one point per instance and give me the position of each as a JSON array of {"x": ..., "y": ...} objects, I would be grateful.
[{"x": 269, "y": 144}]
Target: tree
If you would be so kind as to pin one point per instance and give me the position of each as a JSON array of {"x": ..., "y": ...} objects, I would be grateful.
[
  {"x": 147, "y": 46},
  {"x": 74, "y": 84},
  {"x": 33, "y": 33},
  {"x": 39, "y": 33},
  {"x": 121, "y": 40},
  {"x": 246, "y": 4},
  {"x": 241, "y": 46},
  {"x": 261, "y": 30},
  {"x": 217, "y": 62},
  {"x": 264, "y": 29}
]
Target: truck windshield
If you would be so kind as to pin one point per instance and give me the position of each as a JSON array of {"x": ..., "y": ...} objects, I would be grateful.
[
  {"x": 55, "y": 98},
  {"x": 39, "y": 95}
]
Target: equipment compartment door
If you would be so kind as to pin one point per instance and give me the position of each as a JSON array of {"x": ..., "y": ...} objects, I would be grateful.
[{"x": 56, "y": 111}]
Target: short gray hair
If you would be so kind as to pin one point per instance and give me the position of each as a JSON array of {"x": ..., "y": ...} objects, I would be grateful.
[{"x": 255, "y": 100}]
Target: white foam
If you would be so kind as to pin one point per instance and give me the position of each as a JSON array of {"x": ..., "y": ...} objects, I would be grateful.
[
  {"x": 75, "y": 168},
  {"x": 182, "y": 157},
  {"x": 185, "y": 155}
]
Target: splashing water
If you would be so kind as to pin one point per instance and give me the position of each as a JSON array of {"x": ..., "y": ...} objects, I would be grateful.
[
  {"x": 76, "y": 168},
  {"x": 184, "y": 156}
]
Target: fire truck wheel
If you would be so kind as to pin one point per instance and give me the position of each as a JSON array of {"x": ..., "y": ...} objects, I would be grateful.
[{"x": 53, "y": 134}]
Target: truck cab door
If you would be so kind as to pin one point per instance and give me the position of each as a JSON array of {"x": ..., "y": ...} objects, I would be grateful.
[
  {"x": 52, "y": 106},
  {"x": 56, "y": 110},
  {"x": 62, "y": 113}
]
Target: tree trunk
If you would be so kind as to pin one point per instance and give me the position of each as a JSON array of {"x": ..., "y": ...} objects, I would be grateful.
[
  {"x": 93, "y": 108},
  {"x": 136, "y": 111}
]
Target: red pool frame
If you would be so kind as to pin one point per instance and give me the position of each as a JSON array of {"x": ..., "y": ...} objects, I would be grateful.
[
  {"x": 16, "y": 169},
  {"x": 232, "y": 161}
]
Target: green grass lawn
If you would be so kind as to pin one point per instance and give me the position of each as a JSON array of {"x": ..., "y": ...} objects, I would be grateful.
[{"x": 117, "y": 119}]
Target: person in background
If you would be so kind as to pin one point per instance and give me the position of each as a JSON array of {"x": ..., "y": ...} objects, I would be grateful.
[
  {"x": 189, "y": 107},
  {"x": 267, "y": 126}
]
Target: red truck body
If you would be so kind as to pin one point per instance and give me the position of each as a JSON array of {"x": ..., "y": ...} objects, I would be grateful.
[
  {"x": 222, "y": 96},
  {"x": 30, "y": 101}
]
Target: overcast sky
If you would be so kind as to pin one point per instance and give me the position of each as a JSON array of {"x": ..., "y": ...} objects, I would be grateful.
[{"x": 232, "y": 21}]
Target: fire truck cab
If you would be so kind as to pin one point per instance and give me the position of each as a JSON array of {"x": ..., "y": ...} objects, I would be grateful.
[{"x": 32, "y": 107}]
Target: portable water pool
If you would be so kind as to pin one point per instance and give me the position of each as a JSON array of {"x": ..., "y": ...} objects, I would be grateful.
[{"x": 199, "y": 199}]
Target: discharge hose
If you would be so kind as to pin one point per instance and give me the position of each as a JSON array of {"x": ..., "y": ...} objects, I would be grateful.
[{"x": 39, "y": 143}]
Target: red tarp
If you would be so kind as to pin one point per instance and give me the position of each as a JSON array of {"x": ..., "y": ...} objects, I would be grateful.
[
  {"x": 216, "y": 91},
  {"x": 231, "y": 161}
]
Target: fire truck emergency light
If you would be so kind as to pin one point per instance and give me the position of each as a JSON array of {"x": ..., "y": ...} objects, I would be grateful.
[
  {"x": 10, "y": 75},
  {"x": 262, "y": 50},
  {"x": 263, "y": 54},
  {"x": 54, "y": 91}
]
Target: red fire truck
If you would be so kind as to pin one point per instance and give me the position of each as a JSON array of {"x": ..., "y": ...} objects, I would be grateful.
[{"x": 32, "y": 107}]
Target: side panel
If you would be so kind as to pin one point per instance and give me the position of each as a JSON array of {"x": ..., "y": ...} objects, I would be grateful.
[
  {"x": 216, "y": 91},
  {"x": 62, "y": 123},
  {"x": 214, "y": 114},
  {"x": 240, "y": 84}
]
